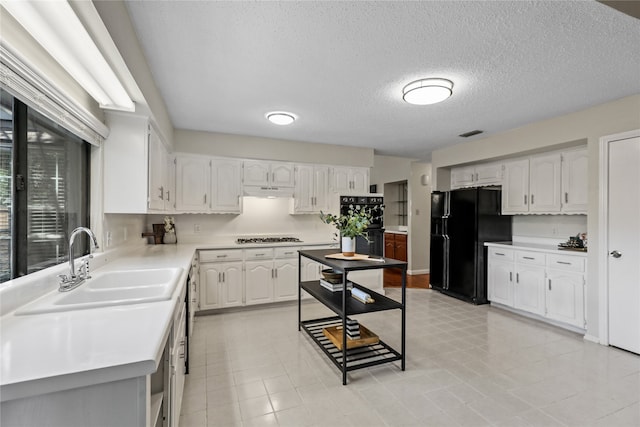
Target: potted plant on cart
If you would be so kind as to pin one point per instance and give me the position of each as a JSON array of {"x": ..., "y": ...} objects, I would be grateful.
[{"x": 350, "y": 225}]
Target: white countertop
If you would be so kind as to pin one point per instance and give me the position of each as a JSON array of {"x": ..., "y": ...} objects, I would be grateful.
[
  {"x": 535, "y": 247},
  {"x": 42, "y": 353}
]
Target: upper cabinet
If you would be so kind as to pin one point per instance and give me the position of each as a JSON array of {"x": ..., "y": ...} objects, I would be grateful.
[
  {"x": 574, "y": 181},
  {"x": 349, "y": 180},
  {"x": 311, "y": 189},
  {"x": 546, "y": 184},
  {"x": 208, "y": 185},
  {"x": 476, "y": 176},
  {"x": 136, "y": 177},
  {"x": 262, "y": 173}
]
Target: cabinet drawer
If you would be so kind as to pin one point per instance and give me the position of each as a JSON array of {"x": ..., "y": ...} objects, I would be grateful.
[
  {"x": 532, "y": 258},
  {"x": 564, "y": 262},
  {"x": 256, "y": 254},
  {"x": 501, "y": 254},
  {"x": 285, "y": 253},
  {"x": 219, "y": 256}
]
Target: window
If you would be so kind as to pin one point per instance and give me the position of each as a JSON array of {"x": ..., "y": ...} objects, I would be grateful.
[{"x": 44, "y": 189}]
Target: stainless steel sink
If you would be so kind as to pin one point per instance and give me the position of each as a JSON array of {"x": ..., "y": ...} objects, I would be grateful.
[{"x": 111, "y": 288}]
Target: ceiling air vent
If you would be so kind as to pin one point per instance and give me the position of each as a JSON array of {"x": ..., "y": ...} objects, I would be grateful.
[{"x": 470, "y": 133}]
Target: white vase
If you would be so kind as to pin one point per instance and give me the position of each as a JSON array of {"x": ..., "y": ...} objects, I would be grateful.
[
  {"x": 169, "y": 238},
  {"x": 348, "y": 246}
]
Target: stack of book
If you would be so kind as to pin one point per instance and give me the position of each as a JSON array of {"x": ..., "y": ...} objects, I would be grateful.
[
  {"x": 353, "y": 329},
  {"x": 333, "y": 287}
]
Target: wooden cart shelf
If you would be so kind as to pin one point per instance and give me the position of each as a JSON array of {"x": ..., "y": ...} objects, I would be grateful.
[{"x": 343, "y": 305}]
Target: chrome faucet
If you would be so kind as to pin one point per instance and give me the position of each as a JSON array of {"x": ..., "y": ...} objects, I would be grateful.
[{"x": 72, "y": 281}]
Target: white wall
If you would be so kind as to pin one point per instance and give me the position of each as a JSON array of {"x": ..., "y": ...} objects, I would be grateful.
[
  {"x": 259, "y": 217},
  {"x": 559, "y": 227},
  {"x": 251, "y": 147},
  {"x": 419, "y": 218},
  {"x": 587, "y": 125}
]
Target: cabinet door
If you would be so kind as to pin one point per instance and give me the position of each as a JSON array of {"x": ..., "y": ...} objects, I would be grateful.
[
  {"x": 360, "y": 181},
  {"x": 528, "y": 290},
  {"x": 310, "y": 270},
  {"x": 192, "y": 182},
  {"x": 256, "y": 172},
  {"x": 225, "y": 186},
  {"x": 258, "y": 282},
  {"x": 320, "y": 189},
  {"x": 170, "y": 189},
  {"x": 565, "y": 297},
  {"x": 401, "y": 247},
  {"x": 574, "y": 181},
  {"x": 462, "y": 177},
  {"x": 389, "y": 245},
  {"x": 303, "y": 194},
  {"x": 282, "y": 175},
  {"x": 341, "y": 180},
  {"x": 285, "y": 285},
  {"x": 231, "y": 286},
  {"x": 157, "y": 171},
  {"x": 488, "y": 174},
  {"x": 500, "y": 280},
  {"x": 210, "y": 279},
  {"x": 544, "y": 183},
  {"x": 515, "y": 187}
]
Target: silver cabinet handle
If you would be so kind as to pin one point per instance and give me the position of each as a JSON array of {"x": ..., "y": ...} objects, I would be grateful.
[
  {"x": 511, "y": 276},
  {"x": 616, "y": 254},
  {"x": 549, "y": 284},
  {"x": 221, "y": 256},
  {"x": 219, "y": 277},
  {"x": 563, "y": 262},
  {"x": 532, "y": 199},
  {"x": 168, "y": 196},
  {"x": 161, "y": 192},
  {"x": 525, "y": 199},
  {"x": 205, "y": 199},
  {"x": 224, "y": 279},
  {"x": 499, "y": 253},
  {"x": 528, "y": 257},
  {"x": 566, "y": 197},
  {"x": 517, "y": 277},
  {"x": 276, "y": 271}
]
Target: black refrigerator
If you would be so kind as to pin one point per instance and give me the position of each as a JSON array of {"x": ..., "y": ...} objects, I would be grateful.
[{"x": 461, "y": 222}]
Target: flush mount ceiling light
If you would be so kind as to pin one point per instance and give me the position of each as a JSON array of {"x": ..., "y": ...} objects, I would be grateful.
[
  {"x": 281, "y": 118},
  {"x": 427, "y": 91}
]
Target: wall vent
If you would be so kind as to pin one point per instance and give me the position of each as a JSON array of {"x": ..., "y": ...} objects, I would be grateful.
[{"x": 470, "y": 133}]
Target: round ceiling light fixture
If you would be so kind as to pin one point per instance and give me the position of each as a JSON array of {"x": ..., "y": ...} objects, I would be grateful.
[
  {"x": 281, "y": 118},
  {"x": 427, "y": 91}
]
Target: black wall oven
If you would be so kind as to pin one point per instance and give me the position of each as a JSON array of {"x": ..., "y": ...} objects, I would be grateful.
[{"x": 375, "y": 232}]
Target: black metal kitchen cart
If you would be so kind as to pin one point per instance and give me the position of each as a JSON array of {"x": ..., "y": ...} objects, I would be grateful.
[{"x": 344, "y": 305}]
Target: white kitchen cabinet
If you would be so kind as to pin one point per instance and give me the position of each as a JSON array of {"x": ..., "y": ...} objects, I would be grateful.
[
  {"x": 476, "y": 176},
  {"x": 528, "y": 289},
  {"x": 192, "y": 183},
  {"x": 221, "y": 280},
  {"x": 311, "y": 189},
  {"x": 546, "y": 284},
  {"x": 170, "y": 190},
  {"x": 574, "y": 181},
  {"x": 565, "y": 289},
  {"x": 177, "y": 366},
  {"x": 544, "y": 183},
  {"x": 515, "y": 187},
  {"x": 261, "y": 173},
  {"x": 500, "y": 276},
  {"x": 285, "y": 284},
  {"x": 258, "y": 282},
  {"x": 135, "y": 166},
  {"x": 349, "y": 180},
  {"x": 226, "y": 176}
]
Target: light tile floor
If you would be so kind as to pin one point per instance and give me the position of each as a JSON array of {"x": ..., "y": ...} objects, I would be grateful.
[{"x": 466, "y": 366}]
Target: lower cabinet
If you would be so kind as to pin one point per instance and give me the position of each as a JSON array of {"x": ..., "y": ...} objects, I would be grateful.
[
  {"x": 258, "y": 280},
  {"x": 395, "y": 246},
  {"x": 221, "y": 279},
  {"x": 545, "y": 284}
]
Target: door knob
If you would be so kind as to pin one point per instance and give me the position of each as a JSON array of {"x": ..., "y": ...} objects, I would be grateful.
[{"x": 616, "y": 254}]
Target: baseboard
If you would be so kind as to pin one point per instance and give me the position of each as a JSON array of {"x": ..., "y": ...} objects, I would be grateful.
[
  {"x": 415, "y": 272},
  {"x": 592, "y": 338}
]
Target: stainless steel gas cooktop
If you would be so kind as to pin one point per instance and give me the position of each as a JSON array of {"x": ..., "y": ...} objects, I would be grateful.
[{"x": 244, "y": 240}]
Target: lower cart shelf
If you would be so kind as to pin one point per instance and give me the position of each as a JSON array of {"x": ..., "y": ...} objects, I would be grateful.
[{"x": 357, "y": 358}]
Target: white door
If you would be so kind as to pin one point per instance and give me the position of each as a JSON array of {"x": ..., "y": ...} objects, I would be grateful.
[
  {"x": 528, "y": 291},
  {"x": 303, "y": 197},
  {"x": 360, "y": 181},
  {"x": 515, "y": 187},
  {"x": 286, "y": 280},
  {"x": 192, "y": 183},
  {"x": 500, "y": 282},
  {"x": 210, "y": 279},
  {"x": 624, "y": 243},
  {"x": 565, "y": 297},
  {"x": 574, "y": 181},
  {"x": 231, "y": 286},
  {"x": 225, "y": 185},
  {"x": 258, "y": 282},
  {"x": 282, "y": 175},
  {"x": 544, "y": 183}
]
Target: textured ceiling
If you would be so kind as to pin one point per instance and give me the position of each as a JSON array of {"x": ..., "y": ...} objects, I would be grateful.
[{"x": 340, "y": 66}]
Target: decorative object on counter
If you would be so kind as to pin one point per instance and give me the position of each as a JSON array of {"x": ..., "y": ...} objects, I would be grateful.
[
  {"x": 157, "y": 234},
  {"x": 361, "y": 296},
  {"x": 575, "y": 243},
  {"x": 350, "y": 225},
  {"x": 169, "y": 231},
  {"x": 334, "y": 334}
]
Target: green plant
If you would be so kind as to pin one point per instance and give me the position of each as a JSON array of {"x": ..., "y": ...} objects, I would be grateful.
[{"x": 352, "y": 224}]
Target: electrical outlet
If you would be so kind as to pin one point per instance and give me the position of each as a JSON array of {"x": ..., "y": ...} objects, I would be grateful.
[{"x": 196, "y": 228}]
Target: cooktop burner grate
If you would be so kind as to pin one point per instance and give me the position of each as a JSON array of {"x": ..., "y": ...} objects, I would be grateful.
[{"x": 244, "y": 240}]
